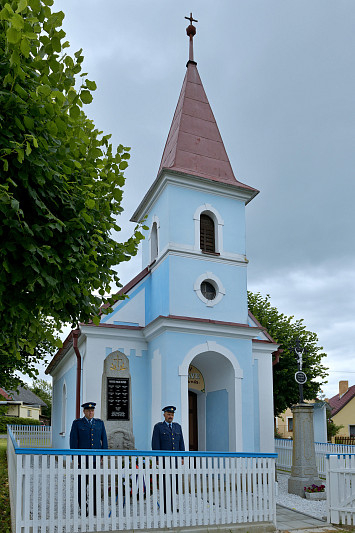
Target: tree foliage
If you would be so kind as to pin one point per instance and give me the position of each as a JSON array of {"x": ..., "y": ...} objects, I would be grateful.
[
  {"x": 284, "y": 330},
  {"x": 60, "y": 189},
  {"x": 332, "y": 429},
  {"x": 43, "y": 389}
]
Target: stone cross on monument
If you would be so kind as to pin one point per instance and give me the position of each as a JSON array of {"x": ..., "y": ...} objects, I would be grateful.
[
  {"x": 300, "y": 376},
  {"x": 304, "y": 468}
]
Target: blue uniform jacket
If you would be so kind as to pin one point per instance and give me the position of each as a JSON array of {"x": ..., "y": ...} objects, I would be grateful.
[
  {"x": 84, "y": 435},
  {"x": 165, "y": 438}
]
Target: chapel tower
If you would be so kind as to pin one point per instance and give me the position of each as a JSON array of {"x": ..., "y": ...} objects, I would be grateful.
[{"x": 195, "y": 212}]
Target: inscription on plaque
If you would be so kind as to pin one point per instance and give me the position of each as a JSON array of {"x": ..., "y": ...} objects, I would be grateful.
[{"x": 118, "y": 399}]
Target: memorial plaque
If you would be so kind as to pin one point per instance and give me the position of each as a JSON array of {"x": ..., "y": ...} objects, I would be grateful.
[
  {"x": 300, "y": 377},
  {"x": 118, "y": 399}
]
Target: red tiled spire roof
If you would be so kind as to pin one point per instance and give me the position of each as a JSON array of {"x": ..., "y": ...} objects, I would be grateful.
[{"x": 194, "y": 144}]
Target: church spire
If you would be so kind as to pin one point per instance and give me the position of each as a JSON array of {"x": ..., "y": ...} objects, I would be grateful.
[
  {"x": 191, "y": 32},
  {"x": 194, "y": 145}
]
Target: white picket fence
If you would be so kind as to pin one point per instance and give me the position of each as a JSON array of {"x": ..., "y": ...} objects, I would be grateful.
[
  {"x": 201, "y": 488},
  {"x": 283, "y": 448},
  {"x": 341, "y": 489},
  {"x": 32, "y": 436}
]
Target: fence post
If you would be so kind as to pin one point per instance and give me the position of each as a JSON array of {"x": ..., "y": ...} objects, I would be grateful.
[
  {"x": 19, "y": 493},
  {"x": 332, "y": 489}
]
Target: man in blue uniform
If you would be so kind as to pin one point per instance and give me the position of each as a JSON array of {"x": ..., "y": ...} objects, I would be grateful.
[
  {"x": 167, "y": 435},
  {"x": 88, "y": 433}
]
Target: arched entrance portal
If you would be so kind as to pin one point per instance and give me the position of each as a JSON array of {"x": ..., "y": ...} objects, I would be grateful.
[
  {"x": 193, "y": 422},
  {"x": 219, "y": 407},
  {"x": 216, "y": 405}
]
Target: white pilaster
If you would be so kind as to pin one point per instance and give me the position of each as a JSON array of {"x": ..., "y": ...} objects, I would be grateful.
[
  {"x": 156, "y": 387},
  {"x": 266, "y": 414}
]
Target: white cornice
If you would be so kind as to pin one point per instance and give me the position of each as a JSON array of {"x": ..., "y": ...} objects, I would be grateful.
[
  {"x": 263, "y": 348},
  {"x": 189, "y": 182},
  {"x": 162, "y": 324},
  {"x": 107, "y": 331},
  {"x": 182, "y": 250}
]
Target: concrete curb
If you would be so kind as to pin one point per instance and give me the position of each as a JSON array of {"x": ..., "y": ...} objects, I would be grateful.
[{"x": 260, "y": 527}]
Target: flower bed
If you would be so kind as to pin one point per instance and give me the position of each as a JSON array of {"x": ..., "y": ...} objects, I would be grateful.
[{"x": 315, "y": 492}]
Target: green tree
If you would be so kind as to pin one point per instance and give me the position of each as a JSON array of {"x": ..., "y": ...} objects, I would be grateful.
[
  {"x": 43, "y": 389},
  {"x": 60, "y": 190},
  {"x": 332, "y": 429},
  {"x": 284, "y": 330}
]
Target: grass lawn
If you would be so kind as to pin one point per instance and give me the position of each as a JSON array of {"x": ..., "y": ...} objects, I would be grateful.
[{"x": 5, "y": 515}]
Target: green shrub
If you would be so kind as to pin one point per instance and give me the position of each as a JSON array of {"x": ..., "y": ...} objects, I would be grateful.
[
  {"x": 3, "y": 409},
  {"x": 4, "y": 420}
]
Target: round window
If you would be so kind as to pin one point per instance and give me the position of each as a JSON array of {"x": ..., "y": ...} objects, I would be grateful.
[{"x": 208, "y": 290}]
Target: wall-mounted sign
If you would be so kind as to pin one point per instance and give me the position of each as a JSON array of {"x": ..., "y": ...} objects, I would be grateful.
[
  {"x": 117, "y": 399},
  {"x": 196, "y": 381}
]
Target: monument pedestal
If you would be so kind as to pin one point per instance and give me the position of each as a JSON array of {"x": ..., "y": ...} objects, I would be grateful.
[{"x": 304, "y": 470}]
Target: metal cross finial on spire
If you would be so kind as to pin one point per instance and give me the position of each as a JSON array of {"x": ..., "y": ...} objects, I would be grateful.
[
  {"x": 191, "y": 19},
  {"x": 191, "y": 31}
]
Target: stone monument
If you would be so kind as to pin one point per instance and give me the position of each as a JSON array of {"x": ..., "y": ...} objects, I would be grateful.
[
  {"x": 116, "y": 402},
  {"x": 304, "y": 467},
  {"x": 304, "y": 472}
]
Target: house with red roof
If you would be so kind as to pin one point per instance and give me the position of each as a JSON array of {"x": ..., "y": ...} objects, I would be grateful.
[
  {"x": 343, "y": 409},
  {"x": 22, "y": 403}
]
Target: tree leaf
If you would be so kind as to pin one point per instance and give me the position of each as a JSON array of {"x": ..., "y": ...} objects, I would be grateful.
[
  {"x": 21, "y": 6},
  {"x": 17, "y": 22},
  {"x": 20, "y": 155},
  {"x": 25, "y": 47},
  {"x": 85, "y": 97},
  {"x": 90, "y": 204},
  {"x": 74, "y": 111},
  {"x": 15, "y": 204},
  {"x": 56, "y": 44},
  {"x": 91, "y": 85},
  {"x": 13, "y": 36}
]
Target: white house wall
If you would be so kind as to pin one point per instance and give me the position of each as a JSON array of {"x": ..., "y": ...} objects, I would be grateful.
[{"x": 65, "y": 373}]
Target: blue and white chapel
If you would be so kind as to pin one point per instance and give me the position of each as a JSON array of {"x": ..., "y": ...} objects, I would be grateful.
[{"x": 185, "y": 328}]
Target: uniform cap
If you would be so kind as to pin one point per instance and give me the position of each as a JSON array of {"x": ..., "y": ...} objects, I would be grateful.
[
  {"x": 169, "y": 409},
  {"x": 89, "y": 405}
]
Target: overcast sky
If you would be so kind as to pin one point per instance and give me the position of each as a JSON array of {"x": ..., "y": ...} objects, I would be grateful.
[{"x": 279, "y": 75}]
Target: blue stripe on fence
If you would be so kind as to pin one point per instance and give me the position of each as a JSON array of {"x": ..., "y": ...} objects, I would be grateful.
[{"x": 137, "y": 453}]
